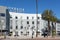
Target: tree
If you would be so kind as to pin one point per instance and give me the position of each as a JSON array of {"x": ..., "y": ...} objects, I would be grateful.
[
  {"x": 54, "y": 20},
  {"x": 49, "y": 16}
]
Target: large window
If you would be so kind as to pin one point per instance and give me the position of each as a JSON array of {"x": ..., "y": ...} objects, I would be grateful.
[
  {"x": 32, "y": 17},
  {"x": 16, "y": 27},
  {"x": 21, "y": 33},
  {"x": 27, "y": 17},
  {"x": 27, "y": 22},
  {"x": 2, "y": 14},
  {"x": 11, "y": 24},
  {"x": 21, "y": 27},
  {"x": 32, "y": 32},
  {"x": 38, "y": 17},
  {"x": 28, "y": 33},
  {"x": 16, "y": 17},
  {"x": 16, "y": 22},
  {"x": 32, "y": 22},
  {"x": 32, "y": 28},
  {"x": 16, "y": 34}
]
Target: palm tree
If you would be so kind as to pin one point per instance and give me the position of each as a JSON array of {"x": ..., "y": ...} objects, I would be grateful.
[
  {"x": 54, "y": 20},
  {"x": 48, "y": 15}
]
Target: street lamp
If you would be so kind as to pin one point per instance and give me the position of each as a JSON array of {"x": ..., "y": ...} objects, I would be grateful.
[
  {"x": 36, "y": 17},
  {"x": 0, "y": 25}
]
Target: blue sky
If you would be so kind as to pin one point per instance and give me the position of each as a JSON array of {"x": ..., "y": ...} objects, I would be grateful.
[{"x": 30, "y": 5}]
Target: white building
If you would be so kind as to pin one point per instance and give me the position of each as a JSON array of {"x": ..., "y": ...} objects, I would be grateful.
[{"x": 24, "y": 24}]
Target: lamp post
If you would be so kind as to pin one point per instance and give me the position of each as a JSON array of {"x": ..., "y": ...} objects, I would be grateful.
[
  {"x": 36, "y": 18},
  {"x": 0, "y": 23}
]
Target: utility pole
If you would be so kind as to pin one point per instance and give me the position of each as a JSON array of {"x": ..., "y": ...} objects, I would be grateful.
[
  {"x": 0, "y": 25},
  {"x": 36, "y": 18}
]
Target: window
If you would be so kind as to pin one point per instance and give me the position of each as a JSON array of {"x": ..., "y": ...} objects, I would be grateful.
[
  {"x": 38, "y": 17},
  {"x": 27, "y": 17},
  {"x": 32, "y": 17},
  {"x": 33, "y": 33},
  {"x": 21, "y": 33},
  {"x": 2, "y": 14},
  {"x": 11, "y": 24},
  {"x": 16, "y": 27},
  {"x": 32, "y": 22},
  {"x": 28, "y": 33},
  {"x": 27, "y": 22},
  {"x": 32, "y": 27},
  {"x": 21, "y": 27},
  {"x": 16, "y": 22},
  {"x": 16, "y": 17},
  {"x": 16, "y": 34},
  {"x": 28, "y": 25}
]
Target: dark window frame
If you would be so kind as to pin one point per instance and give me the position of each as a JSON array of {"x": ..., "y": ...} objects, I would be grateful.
[
  {"x": 21, "y": 32},
  {"x": 32, "y": 17},
  {"x": 27, "y": 22},
  {"x": 27, "y": 17},
  {"x": 32, "y": 22},
  {"x": 38, "y": 17},
  {"x": 16, "y": 17},
  {"x": 2, "y": 14},
  {"x": 21, "y": 27},
  {"x": 16, "y": 27}
]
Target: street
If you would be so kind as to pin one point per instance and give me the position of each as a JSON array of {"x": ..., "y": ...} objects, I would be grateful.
[{"x": 32, "y": 39}]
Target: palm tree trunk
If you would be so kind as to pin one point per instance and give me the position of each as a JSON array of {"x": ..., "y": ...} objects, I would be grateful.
[
  {"x": 52, "y": 29},
  {"x": 55, "y": 28},
  {"x": 48, "y": 27},
  {"x": 0, "y": 24}
]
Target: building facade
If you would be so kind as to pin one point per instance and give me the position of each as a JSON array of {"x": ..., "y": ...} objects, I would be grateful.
[
  {"x": 23, "y": 24},
  {"x": 4, "y": 20}
]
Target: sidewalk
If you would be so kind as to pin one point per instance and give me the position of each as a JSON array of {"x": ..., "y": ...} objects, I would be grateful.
[{"x": 37, "y": 38}]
